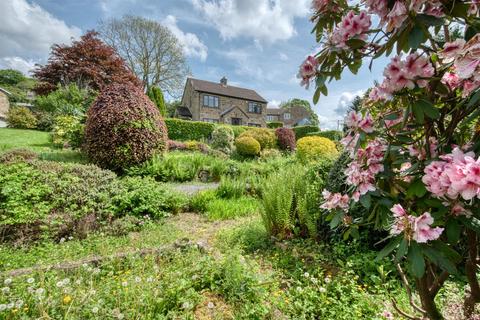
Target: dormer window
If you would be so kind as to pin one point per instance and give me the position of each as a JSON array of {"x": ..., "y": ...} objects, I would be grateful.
[
  {"x": 254, "y": 107},
  {"x": 210, "y": 101}
]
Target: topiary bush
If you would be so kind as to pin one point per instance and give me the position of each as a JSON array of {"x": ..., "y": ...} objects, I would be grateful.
[
  {"x": 333, "y": 135},
  {"x": 266, "y": 137},
  {"x": 67, "y": 132},
  {"x": 247, "y": 146},
  {"x": 286, "y": 139},
  {"x": 183, "y": 130},
  {"x": 303, "y": 131},
  {"x": 315, "y": 148},
  {"x": 21, "y": 118},
  {"x": 223, "y": 139},
  {"x": 274, "y": 124},
  {"x": 123, "y": 128}
]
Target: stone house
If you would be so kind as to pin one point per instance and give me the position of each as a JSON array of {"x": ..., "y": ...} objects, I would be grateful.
[
  {"x": 4, "y": 105},
  {"x": 221, "y": 103},
  {"x": 290, "y": 117}
]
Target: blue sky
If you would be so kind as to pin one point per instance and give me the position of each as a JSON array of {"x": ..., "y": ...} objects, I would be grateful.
[{"x": 257, "y": 44}]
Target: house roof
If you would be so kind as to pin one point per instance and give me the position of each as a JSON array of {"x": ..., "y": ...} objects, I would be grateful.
[
  {"x": 5, "y": 91},
  {"x": 274, "y": 111},
  {"x": 231, "y": 109},
  {"x": 229, "y": 91},
  {"x": 184, "y": 112}
]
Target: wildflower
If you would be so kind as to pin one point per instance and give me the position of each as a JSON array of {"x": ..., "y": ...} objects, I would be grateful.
[
  {"x": 7, "y": 281},
  {"x": 40, "y": 291},
  {"x": 3, "y": 307},
  {"x": 185, "y": 305},
  {"x": 95, "y": 309},
  {"x": 124, "y": 283},
  {"x": 11, "y": 305},
  {"x": 322, "y": 290},
  {"x": 30, "y": 290},
  {"x": 327, "y": 280},
  {"x": 67, "y": 299},
  {"x": 5, "y": 290},
  {"x": 150, "y": 279},
  {"x": 306, "y": 275},
  {"x": 62, "y": 240},
  {"x": 387, "y": 314},
  {"x": 96, "y": 271},
  {"x": 30, "y": 280},
  {"x": 138, "y": 279},
  {"x": 210, "y": 305},
  {"x": 59, "y": 284},
  {"x": 19, "y": 303}
]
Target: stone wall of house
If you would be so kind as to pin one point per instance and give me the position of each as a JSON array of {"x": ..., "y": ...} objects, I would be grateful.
[
  {"x": 297, "y": 113},
  {"x": 194, "y": 101},
  {"x": 4, "y": 105}
]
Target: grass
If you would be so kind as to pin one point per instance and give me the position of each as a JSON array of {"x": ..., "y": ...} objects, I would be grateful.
[
  {"x": 18, "y": 138},
  {"x": 223, "y": 209}
]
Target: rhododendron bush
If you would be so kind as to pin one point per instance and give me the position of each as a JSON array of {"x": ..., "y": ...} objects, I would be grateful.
[{"x": 415, "y": 143}]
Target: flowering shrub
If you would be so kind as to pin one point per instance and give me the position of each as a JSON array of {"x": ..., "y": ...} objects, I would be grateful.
[
  {"x": 21, "y": 118},
  {"x": 223, "y": 139},
  {"x": 266, "y": 137},
  {"x": 286, "y": 139},
  {"x": 247, "y": 146},
  {"x": 413, "y": 145},
  {"x": 315, "y": 148}
]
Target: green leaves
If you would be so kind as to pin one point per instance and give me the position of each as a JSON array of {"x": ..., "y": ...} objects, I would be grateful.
[
  {"x": 417, "y": 188},
  {"x": 416, "y": 37},
  {"x": 388, "y": 248},
  {"x": 422, "y": 108},
  {"x": 416, "y": 261}
]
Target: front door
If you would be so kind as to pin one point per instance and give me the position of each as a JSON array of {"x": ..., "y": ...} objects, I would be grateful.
[{"x": 237, "y": 121}]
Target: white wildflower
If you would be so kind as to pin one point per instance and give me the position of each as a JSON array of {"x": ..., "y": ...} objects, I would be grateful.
[
  {"x": 10, "y": 305},
  {"x": 5, "y": 290},
  {"x": 30, "y": 280},
  {"x": 7, "y": 281},
  {"x": 149, "y": 279},
  {"x": 40, "y": 291},
  {"x": 322, "y": 290},
  {"x": 19, "y": 303},
  {"x": 3, "y": 307},
  {"x": 138, "y": 279},
  {"x": 327, "y": 280},
  {"x": 124, "y": 283},
  {"x": 210, "y": 305},
  {"x": 306, "y": 274},
  {"x": 95, "y": 309}
]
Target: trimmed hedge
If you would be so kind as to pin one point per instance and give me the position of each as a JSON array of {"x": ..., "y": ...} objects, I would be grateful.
[
  {"x": 247, "y": 146},
  {"x": 274, "y": 124},
  {"x": 303, "y": 131},
  {"x": 315, "y": 148},
  {"x": 184, "y": 130},
  {"x": 266, "y": 137},
  {"x": 333, "y": 135}
]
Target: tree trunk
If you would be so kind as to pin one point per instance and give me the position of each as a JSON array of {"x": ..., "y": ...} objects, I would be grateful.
[
  {"x": 427, "y": 299},
  {"x": 473, "y": 296}
]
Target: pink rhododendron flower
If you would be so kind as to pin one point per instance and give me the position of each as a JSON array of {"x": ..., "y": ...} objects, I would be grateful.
[
  {"x": 397, "y": 16},
  {"x": 308, "y": 70},
  {"x": 352, "y": 26},
  {"x": 459, "y": 210},
  {"x": 378, "y": 7},
  {"x": 457, "y": 175},
  {"x": 451, "y": 79},
  {"x": 451, "y": 50},
  {"x": 417, "y": 228},
  {"x": 416, "y": 5},
  {"x": 334, "y": 201},
  {"x": 469, "y": 86},
  {"x": 356, "y": 120},
  {"x": 350, "y": 142},
  {"x": 421, "y": 152},
  {"x": 434, "y": 8}
]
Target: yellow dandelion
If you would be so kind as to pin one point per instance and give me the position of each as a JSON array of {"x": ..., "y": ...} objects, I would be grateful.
[
  {"x": 14, "y": 310},
  {"x": 67, "y": 299}
]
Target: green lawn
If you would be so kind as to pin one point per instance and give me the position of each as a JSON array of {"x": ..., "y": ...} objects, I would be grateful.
[{"x": 31, "y": 139}]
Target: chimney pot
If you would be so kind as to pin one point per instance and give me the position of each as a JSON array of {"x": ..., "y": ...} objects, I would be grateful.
[{"x": 224, "y": 81}]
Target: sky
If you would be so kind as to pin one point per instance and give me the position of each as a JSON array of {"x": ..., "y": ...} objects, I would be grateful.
[{"x": 256, "y": 44}]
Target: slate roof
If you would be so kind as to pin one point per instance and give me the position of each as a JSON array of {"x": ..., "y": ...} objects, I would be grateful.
[
  {"x": 228, "y": 91},
  {"x": 274, "y": 111}
]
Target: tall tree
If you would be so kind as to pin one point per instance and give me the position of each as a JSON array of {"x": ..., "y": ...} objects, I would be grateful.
[
  {"x": 89, "y": 63},
  {"x": 156, "y": 95},
  {"x": 306, "y": 105},
  {"x": 151, "y": 50}
]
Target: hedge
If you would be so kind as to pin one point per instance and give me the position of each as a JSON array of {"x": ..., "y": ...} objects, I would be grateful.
[
  {"x": 274, "y": 124},
  {"x": 333, "y": 135},
  {"x": 303, "y": 131},
  {"x": 184, "y": 130}
]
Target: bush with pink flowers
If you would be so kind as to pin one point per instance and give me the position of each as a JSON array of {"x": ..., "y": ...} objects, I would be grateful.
[{"x": 414, "y": 142}]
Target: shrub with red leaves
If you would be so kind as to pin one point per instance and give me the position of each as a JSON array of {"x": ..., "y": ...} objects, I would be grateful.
[
  {"x": 176, "y": 145},
  {"x": 124, "y": 128},
  {"x": 286, "y": 139}
]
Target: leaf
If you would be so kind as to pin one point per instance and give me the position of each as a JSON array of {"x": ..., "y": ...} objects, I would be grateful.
[
  {"x": 415, "y": 257},
  {"x": 430, "y": 20},
  {"x": 453, "y": 231},
  {"x": 471, "y": 223},
  {"x": 417, "y": 188},
  {"x": 418, "y": 112},
  {"x": 416, "y": 37},
  {"x": 366, "y": 201},
  {"x": 440, "y": 260},
  {"x": 356, "y": 43},
  {"x": 324, "y": 90},
  {"x": 474, "y": 99},
  {"x": 316, "y": 96},
  {"x": 402, "y": 250},
  {"x": 428, "y": 108},
  {"x": 388, "y": 248},
  {"x": 336, "y": 220}
]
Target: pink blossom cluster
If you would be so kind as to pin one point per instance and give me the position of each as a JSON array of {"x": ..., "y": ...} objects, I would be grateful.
[
  {"x": 350, "y": 142},
  {"x": 334, "y": 201},
  {"x": 395, "y": 17},
  {"x": 367, "y": 164},
  {"x": 324, "y": 6},
  {"x": 417, "y": 228},
  {"x": 400, "y": 74},
  {"x": 473, "y": 10},
  {"x": 456, "y": 175},
  {"x": 308, "y": 70},
  {"x": 355, "y": 120},
  {"x": 352, "y": 26},
  {"x": 466, "y": 64},
  {"x": 420, "y": 152}
]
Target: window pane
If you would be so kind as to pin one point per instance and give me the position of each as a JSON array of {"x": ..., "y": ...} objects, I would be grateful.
[
  {"x": 216, "y": 102},
  {"x": 205, "y": 100}
]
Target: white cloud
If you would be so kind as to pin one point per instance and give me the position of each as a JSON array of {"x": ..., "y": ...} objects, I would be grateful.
[
  {"x": 192, "y": 46},
  {"x": 345, "y": 100},
  {"x": 28, "y": 31},
  {"x": 274, "y": 104},
  {"x": 263, "y": 20},
  {"x": 17, "y": 63},
  {"x": 245, "y": 64}
]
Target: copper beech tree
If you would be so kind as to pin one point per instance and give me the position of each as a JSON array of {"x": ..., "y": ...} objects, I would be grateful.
[
  {"x": 415, "y": 142},
  {"x": 88, "y": 62}
]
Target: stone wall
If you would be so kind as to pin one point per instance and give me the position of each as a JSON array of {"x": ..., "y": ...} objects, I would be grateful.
[{"x": 4, "y": 105}]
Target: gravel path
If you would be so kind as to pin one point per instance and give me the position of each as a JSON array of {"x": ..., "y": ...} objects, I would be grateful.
[{"x": 192, "y": 189}]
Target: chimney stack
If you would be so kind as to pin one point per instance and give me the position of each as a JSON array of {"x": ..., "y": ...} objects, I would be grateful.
[{"x": 223, "y": 81}]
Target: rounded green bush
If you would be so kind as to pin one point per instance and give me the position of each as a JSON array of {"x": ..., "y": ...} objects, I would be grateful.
[
  {"x": 247, "y": 146},
  {"x": 315, "y": 148},
  {"x": 266, "y": 137},
  {"x": 124, "y": 128},
  {"x": 21, "y": 118},
  {"x": 223, "y": 139}
]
